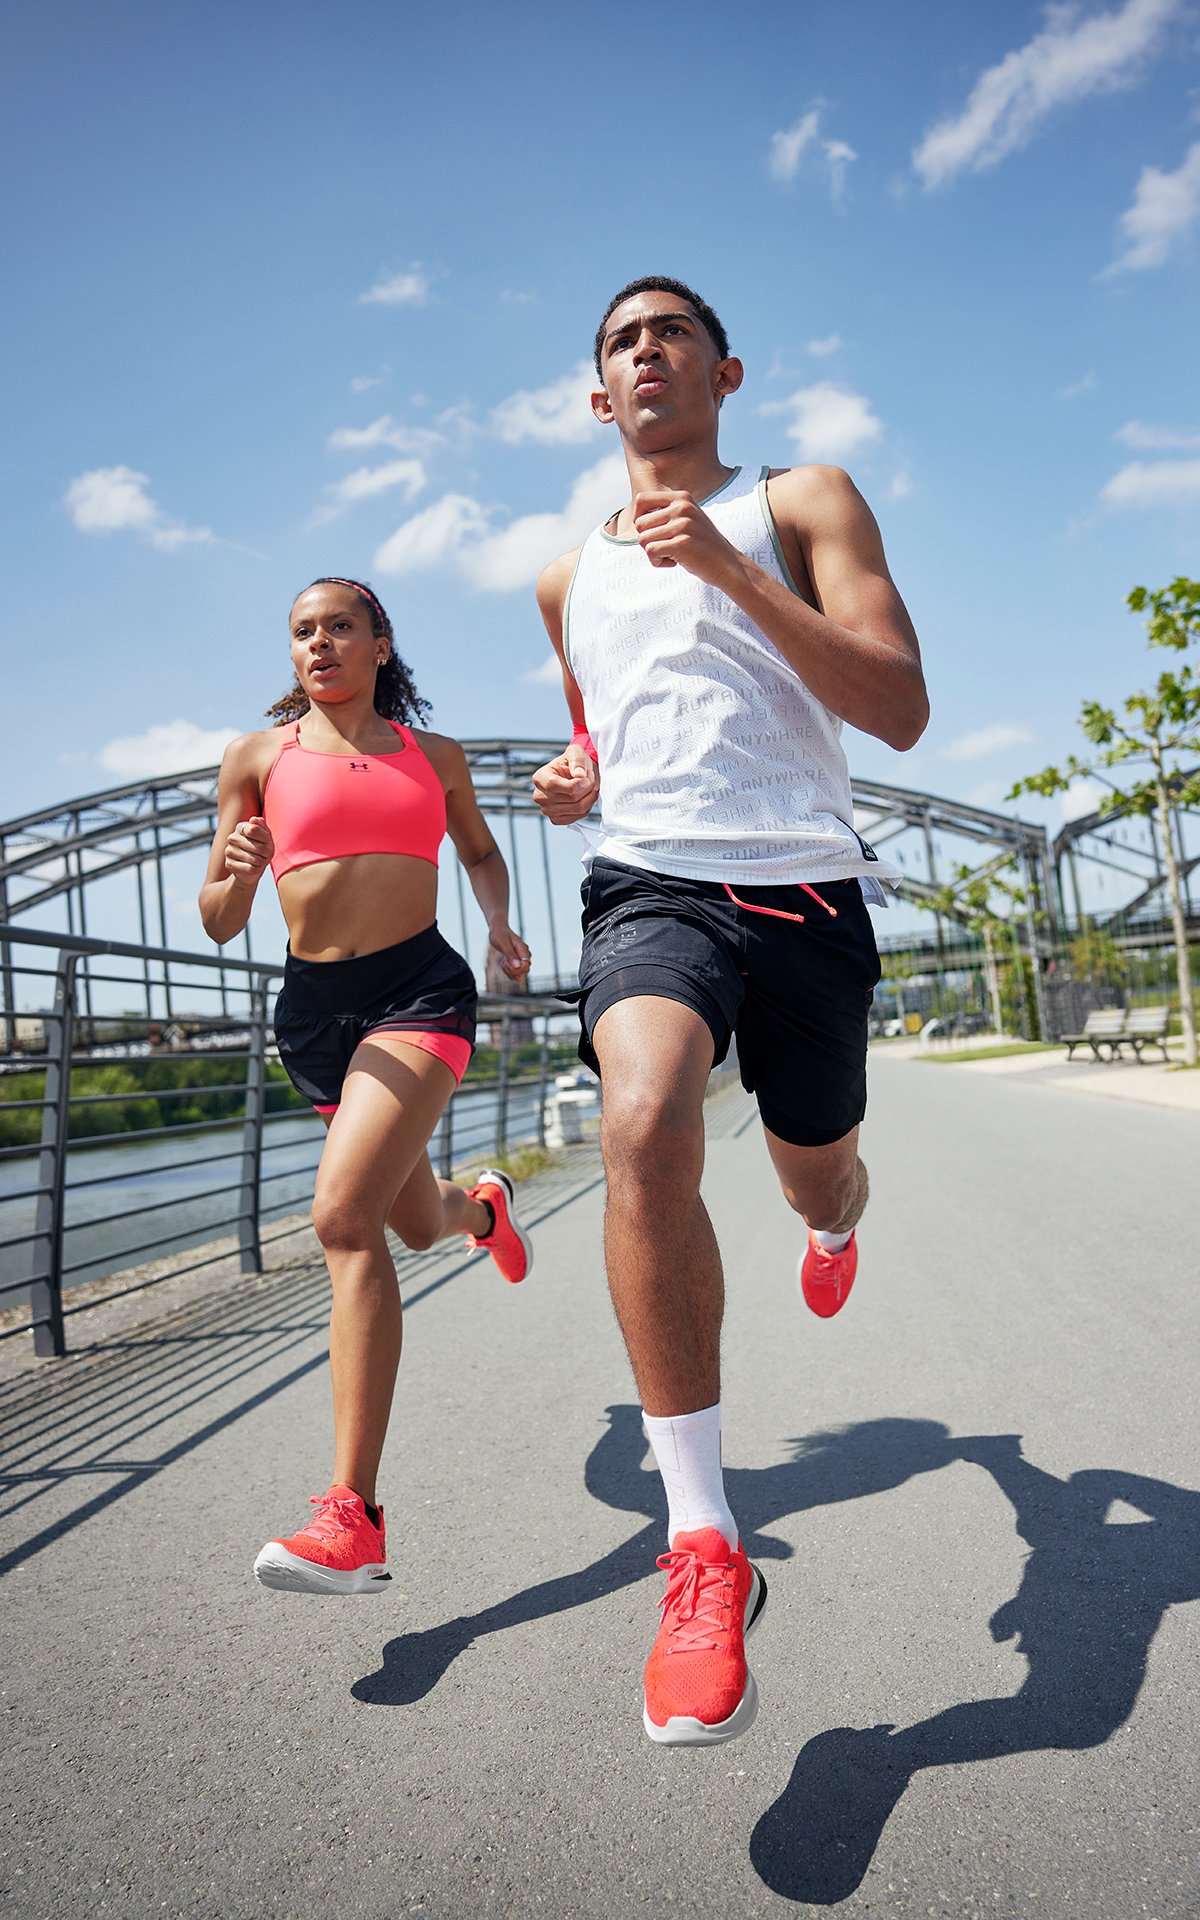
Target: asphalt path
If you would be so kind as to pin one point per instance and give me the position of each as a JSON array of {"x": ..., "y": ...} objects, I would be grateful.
[{"x": 973, "y": 1494}]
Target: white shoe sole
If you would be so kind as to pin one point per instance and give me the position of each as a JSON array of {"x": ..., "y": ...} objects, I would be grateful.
[
  {"x": 501, "y": 1179},
  {"x": 286, "y": 1572},
  {"x": 683, "y": 1731}
]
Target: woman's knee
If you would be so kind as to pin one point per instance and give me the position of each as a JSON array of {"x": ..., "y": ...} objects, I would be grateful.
[
  {"x": 345, "y": 1221},
  {"x": 419, "y": 1232}
]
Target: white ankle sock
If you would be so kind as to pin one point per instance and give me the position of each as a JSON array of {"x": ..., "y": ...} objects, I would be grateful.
[
  {"x": 832, "y": 1242},
  {"x": 687, "y": 1448}
]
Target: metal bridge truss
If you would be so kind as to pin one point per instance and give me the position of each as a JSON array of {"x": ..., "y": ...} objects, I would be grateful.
[
  {"x": 1122, "y": 843},
  {"x": 58, "y": 857},
  {"x": 55, "y": 859}
]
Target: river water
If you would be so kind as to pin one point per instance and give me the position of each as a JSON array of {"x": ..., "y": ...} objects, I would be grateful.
[{"x": 189, "y": 1183}]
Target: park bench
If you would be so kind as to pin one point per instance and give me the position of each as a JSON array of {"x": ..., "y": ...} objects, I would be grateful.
[
  {"x": 1104, "y": 1027},
  {"x": 1145, "y": 1027}
]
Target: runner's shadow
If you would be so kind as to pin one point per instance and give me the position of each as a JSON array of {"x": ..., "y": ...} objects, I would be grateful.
[
  {"x": 869, "y": 1458},
  {"x": 1090, "y": 1601}
]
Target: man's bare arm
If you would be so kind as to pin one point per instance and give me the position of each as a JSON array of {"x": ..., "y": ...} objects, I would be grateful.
[
  {"x": 856, "y": 649},
  {"x": 565, "y": 788}
]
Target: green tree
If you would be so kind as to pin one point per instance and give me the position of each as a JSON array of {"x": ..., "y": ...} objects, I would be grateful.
[
  {"x": 900, "y": 966},
  {"x": 970, "y": 897},
  {"x": 1095, "y": 956},
  {"x": 1139, "y": 756}
]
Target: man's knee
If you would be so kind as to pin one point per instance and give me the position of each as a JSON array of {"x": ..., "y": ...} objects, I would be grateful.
[
  {"x": 825, "y": 1193},
  {"x": 651, "y": 1136}
]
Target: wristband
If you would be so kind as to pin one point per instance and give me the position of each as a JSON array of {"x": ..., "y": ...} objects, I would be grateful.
[{"x": 582, "y": 738}]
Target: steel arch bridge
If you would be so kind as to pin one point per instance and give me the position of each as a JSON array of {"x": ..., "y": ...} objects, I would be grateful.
[
  {"x": 59, "y": 859},
  {"x": 1115, "y": 840}
]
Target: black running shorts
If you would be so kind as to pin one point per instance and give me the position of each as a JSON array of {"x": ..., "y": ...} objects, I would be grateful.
[
  {"x": 327, "y": 1007},
  {"x": 795, "y": 993}
]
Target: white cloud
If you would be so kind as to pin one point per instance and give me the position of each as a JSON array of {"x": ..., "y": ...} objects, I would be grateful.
[
  {"x": 989, "y": 793},
  {"x": 821, "y": 349},
  {"x": 177, "y": 746},
  {"x": 827, "y": 422},
  {"x": 409, "y": 289},
  {"x": 557, "y": 415},
  {"x": 1076, "y": 388},
  {"x": 1164, "y": 206},
  {"x": 1082, "y": 796},
  {"x": 788, "y": 148},
  {"x": 1068, "y": 60},
  {"x": 900, "y": 485},
  {"x": 783, "y": 158},
  {"x": 431, "y": 538},
  {"x": 549, "y": 674},
  {"x": 515, "y": 555},
  {"x": 1135, "y": 433},
  {"x": 973, "y": 746},
  {"x": 458, "y": 531},
  {"x": 387, "y": 432},
  {"x": 111, "y": 500},
  {"x": 169, "y": 537},
  {"x": 363, "y": 382},
  {"x": 837, "y": 158},
  {"x": 1155, "y": 483},
  {"x": 365, "y": 482},
  {"x": 115, "y": 500}
]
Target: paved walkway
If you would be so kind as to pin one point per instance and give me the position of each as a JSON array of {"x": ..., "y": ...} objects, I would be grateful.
[
  {"x": 1152, "y": 1082},
  {"x": 973, "y": 1494}
]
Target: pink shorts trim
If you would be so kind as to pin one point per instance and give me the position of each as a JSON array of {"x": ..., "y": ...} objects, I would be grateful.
[{"x": 448, "y": 1047}]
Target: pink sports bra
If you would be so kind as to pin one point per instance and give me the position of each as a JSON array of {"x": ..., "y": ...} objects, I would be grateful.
[{"x": 326, "y": 806}]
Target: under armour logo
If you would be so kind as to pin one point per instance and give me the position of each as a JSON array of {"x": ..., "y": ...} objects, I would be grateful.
[{"x": 359, "y": 766}]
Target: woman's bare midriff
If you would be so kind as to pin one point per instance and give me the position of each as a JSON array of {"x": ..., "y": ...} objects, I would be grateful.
[{"x": 338, "y": 909}]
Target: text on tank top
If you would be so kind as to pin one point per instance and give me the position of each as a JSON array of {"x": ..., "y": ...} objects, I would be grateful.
[{"x": 716, "y": 761}]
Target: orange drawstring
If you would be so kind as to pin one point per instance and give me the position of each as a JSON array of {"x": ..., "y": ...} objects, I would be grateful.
[{"x": 777, "y": 913}]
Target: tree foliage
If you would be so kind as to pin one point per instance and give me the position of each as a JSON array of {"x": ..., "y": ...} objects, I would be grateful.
[
  {"x": 1145, "y": 751},
  {"x": 1095, "y": 957}
]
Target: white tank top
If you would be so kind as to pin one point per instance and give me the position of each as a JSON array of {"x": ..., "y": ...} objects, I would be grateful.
[{"x": 716, "y": 762}]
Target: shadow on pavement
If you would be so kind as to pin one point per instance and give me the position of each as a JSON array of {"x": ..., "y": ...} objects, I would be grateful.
[
  {"x": 1090, "y": 1601},
  {"x": 1089, "y": 1604},
  {"x": 867, "y": 1459}
]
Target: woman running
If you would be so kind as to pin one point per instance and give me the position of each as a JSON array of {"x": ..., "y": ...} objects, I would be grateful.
[{"x": 347, "y": 805}]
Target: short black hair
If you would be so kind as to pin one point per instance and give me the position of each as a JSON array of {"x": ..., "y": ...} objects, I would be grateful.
[{"x": 659, "y": 283}]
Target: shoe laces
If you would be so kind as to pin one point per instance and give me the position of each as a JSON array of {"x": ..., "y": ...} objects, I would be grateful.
[
  {"x": 333, "y": 1516},
  {"x": 696, "y": 1602},
  {"x": 829, "y": 1257}
]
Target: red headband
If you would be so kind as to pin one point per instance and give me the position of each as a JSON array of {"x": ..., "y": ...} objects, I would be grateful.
[{"x": 335, "y": 580}]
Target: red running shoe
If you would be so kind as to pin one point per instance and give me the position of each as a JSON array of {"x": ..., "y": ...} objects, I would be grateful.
[
  {"x": 507, "y": 1243},
  {"x": 699, "y": 1689},
  {"x": 340, "y": 1551},
  {"x": 826, "y": 1278}
]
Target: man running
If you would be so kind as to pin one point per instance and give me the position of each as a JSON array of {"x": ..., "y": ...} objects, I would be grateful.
[{"x": 714, "y": 635}]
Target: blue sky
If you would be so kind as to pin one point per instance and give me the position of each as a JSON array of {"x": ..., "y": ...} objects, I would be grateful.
[{"x": 296, "y": 290}]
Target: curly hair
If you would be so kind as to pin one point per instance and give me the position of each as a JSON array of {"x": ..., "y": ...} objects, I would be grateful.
[{"x": 396, "y": 698}]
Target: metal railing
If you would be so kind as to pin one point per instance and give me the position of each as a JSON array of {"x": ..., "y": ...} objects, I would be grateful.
[{"x": 103, "y": 1176}]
